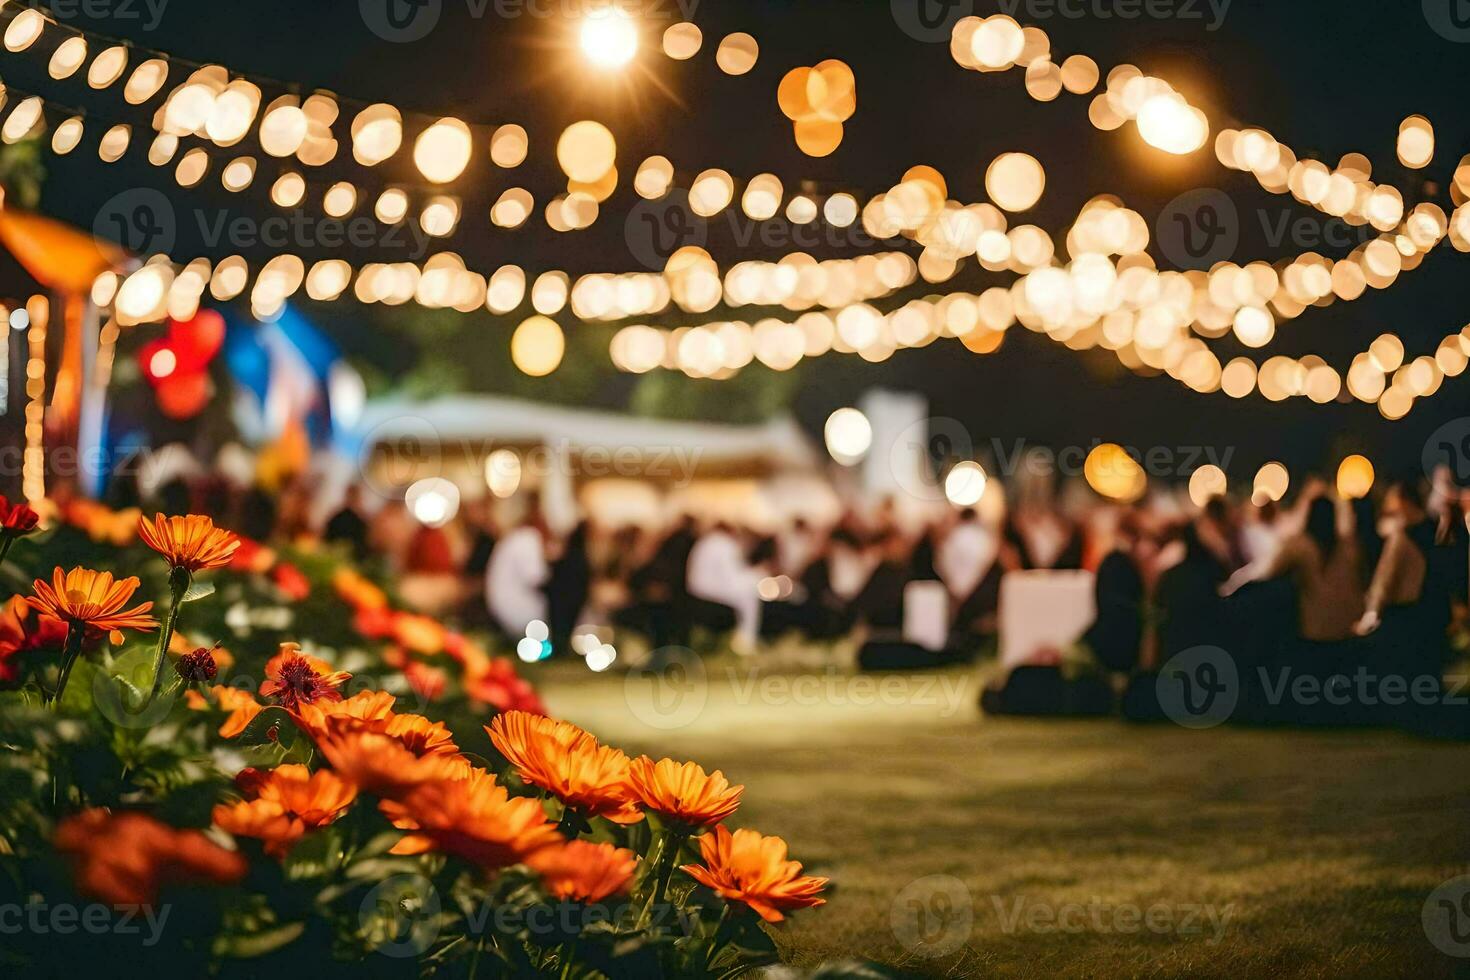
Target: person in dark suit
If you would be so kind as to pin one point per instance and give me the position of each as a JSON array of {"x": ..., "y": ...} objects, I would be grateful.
[
  {"x": 1116, "y": 634},
  {"x": 567, "y": 589},
  {"x": 348, "y": 525}
]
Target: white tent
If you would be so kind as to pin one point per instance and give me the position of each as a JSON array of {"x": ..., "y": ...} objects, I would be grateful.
[{"x": 623, "y": 468}]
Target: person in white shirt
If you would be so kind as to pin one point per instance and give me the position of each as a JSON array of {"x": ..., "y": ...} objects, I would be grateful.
[
  {"x": 515, "y": 577},
  {"x": 719, "y": 573},
  {"x": 966, "y": 554}
]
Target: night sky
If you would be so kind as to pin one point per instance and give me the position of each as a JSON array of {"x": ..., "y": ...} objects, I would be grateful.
[{"x": 1325, "y": 77}]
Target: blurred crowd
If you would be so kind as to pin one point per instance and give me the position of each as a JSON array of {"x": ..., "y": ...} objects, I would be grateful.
[{"x": 1314, "y": 572}]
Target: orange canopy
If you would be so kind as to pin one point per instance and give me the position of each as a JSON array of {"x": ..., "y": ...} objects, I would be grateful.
[{"x": 55, "y": 254}]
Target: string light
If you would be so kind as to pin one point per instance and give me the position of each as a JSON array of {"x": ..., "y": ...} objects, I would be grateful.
[{"x": 608, "y": 37}]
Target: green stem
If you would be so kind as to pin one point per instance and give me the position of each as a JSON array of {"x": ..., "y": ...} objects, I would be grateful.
[
  {"x": 178, "y": 582},
  {"x": 717, "y": 941},
  {"x": 656, "y": 858},
  {"x": 673, "y": 840},
  {"x": 6, "y": 540},
  {"x": 475, "y": 959},
  {"x": 75, "y": 632},
  {"x": 568, "y": 951}
]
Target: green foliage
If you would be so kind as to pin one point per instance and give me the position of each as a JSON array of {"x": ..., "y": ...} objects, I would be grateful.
[
  {"x": 333, "y": 900},
  {"x": 22, "y": 171}
]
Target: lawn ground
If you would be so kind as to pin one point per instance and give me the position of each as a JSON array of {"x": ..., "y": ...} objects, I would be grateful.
[{"x": 966, "y": 846}]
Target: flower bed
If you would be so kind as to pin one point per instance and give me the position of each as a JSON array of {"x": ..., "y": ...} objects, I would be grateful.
[{"x": 269, "y": 808}]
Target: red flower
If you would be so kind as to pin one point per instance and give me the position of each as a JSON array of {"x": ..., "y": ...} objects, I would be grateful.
[
  {"x": 427, "y": 682},
  {"x": 295, "y": 679},
  {"x": 288, "y": 579},
  {"x": 496, "y": 683},
  {"x": 17, "y": 519},
  {"x": 125, "y": 858},
  {"x": 197, "y": 665},
  {"x": 21, "y": 631},
  {"x": 252, "y": 556}
]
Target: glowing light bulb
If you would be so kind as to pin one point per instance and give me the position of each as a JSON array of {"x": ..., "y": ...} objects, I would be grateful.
[{"x": 609, "y": 37}]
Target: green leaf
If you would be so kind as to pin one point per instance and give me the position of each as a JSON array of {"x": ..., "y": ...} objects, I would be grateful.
[
  {"x": 198, "y": 590},
  {"x": 77, "y": 699},
  {"x": 314, "y": 855},
  {"x": 260, "y": 943},
  {"x": 272, "y": 726}
]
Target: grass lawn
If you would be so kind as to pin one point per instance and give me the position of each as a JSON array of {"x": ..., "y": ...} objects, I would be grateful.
[{"x": 1255, "y": 853}]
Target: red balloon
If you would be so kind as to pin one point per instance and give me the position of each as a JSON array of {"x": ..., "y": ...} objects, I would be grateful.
[
  {"x": 196, "y": 341},
  {"x": 183, "y": 394}
]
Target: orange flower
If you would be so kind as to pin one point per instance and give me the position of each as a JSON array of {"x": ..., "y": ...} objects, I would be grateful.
[
  {"x": 419, "y": 633},
  {"x": 581, "y": 871},
  {"x": 752, "y": 869},
  {"x": 569, "y": 763},
  {"x": 421, "y": 736},
  {"x": 363, "y": 706},
  {"x": 125, "y": 858},
  {"x": 380, "y": 763},
  {"x": 683, "y": 793},
  {"x": 191, "y": 542},
  {"x": 101, "y": 523},
  {"x": 294, "y": 679},
  {"x": 91, "y": 599},
  {"x": 357, "y": 591},
  {"x": 475, "y": 819},
  {"x": 281, "y": 805},
  {"x": 241, "y": 705}
]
